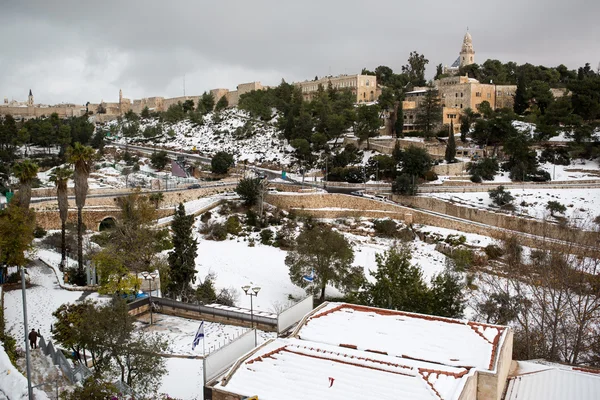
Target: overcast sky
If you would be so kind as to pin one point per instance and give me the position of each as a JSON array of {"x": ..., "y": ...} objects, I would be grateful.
[{"x": 79, "y": 51}]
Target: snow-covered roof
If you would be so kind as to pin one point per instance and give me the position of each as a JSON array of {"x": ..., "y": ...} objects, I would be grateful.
[
  {"x": 400, "y": 334},
  {"x": 552, "y": 382},
  {"x": 299, "y": 369}
]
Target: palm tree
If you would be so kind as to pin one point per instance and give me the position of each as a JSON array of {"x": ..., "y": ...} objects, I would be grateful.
[
  {"x": 60, "y": 177},
  {"x": 25, "y": 171},
  {"x": 81, "y": 156}
]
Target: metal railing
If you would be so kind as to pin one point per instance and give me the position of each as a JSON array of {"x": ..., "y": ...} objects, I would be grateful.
[{"x": 202, "y": 309}]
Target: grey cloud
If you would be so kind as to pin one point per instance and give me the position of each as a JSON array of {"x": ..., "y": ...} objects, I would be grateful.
[{"x": 79, "y": 51}]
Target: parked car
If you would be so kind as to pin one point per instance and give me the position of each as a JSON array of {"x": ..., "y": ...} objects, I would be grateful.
[
  {"x": 194, "y": 186},
  {"x": 361, "y": 194}
]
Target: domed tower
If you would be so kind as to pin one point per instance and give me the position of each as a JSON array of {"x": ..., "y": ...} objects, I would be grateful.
[
  {"x": 467, "y": 54},
  {"x": 30, "y": 99}
]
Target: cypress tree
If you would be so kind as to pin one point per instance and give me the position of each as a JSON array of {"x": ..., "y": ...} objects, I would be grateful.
[
  {"x": 521, "y": 103},
  {"x": 399, "y": 123},
  {"x": 451, "y": 147},
  {"x": 182, "y": 260}
]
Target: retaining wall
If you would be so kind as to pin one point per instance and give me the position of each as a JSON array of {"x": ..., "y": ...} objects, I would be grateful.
[{"x": 499, "y": 220}]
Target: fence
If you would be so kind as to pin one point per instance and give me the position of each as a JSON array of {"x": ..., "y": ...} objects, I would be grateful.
[{"x": 206, "y": 310}]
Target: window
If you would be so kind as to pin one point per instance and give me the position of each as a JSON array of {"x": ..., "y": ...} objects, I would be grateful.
[
  {"x": 461, "y": 95},
  {"x": 456, "y": 94},
  {"x": 477, "y": 94},
  {"x": 489, "y": 95},
  {"x": 367, "y": 83},
  {"x": 461, "y": 106}
]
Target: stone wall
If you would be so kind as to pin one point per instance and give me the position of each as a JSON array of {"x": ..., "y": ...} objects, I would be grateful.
[
  {"x": 450, "y": 169},
  {"x": 91, "y": 218},
  {"x": 503, "y": 221},
  {"x": 34, "y": 112},
  {"x": 491, "y": 385},
  {"x": 197, "y": 315}
]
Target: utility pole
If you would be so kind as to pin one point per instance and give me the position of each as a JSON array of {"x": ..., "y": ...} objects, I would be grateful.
[{"x": 23, "y": 288}]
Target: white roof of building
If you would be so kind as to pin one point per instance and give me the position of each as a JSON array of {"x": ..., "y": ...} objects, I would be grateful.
[
  {"x": 553, "y": 382},
  {"x": 400, "y": 334},
  {"x": 297, "y": 369}
]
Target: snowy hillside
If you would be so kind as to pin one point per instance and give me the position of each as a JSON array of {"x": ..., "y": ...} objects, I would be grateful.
[{"x": 232, "y": 131}]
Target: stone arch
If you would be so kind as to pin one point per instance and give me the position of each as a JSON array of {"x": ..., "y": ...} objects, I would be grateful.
[{"x": 107, "y": 223}]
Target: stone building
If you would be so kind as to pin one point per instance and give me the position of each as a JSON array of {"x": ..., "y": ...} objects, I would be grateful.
[
  {"x": 364, "y": 87},
  {"x": 465, "y": 57}
]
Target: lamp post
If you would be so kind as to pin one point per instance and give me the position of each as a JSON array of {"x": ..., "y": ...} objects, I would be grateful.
[
  {"x": 252, "y": 293},
  {"x": 150, "y": 277},
  {"x": 23, "y": 288}
]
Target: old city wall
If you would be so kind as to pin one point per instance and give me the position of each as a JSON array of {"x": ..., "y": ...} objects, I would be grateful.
[
  {"x": 503, "y": 221},
  {"x": 33, "y": 112}
]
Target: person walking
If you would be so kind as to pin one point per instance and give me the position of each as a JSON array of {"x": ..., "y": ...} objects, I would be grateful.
[{"x": 33, "y": 335}]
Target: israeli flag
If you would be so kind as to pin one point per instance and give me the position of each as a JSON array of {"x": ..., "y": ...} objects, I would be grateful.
[
  {"x": 199, "y": 335},
  {"x": 311, "y": 277}
]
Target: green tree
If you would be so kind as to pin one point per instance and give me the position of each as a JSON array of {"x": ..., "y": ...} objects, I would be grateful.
[
  {"x": 70, "y": 328},
  {"x": 60, "y": 177},
  {"x": 415, "y": 68},
  {"x": 522, "y": 97},
  {"x": 485, "y": 168},
  {"x": 541, "y": 95},
  {"x": 398, "y": 284},
  {"x": 367, "y": 122},
  {"x": 133, "y": 246},
  {"x": 92, "y": 389},
  {"x": 450, "y": 153},
  {"x": 429, "y": 114},
  {"x": 188, "y": 106},
  {"x": 156, "y": 198},
  {"x": 399, "y": 121},
  {"x": 222, "y": 104},
  {"x": 206, "y": 103},
  {"x": 415, "y": 161},
  {"x": 249, "y": 190},
  {"x": 145, "y": 113},
  {"x": 25, "y": 171},
  {"x": 159, "y": 160},
  {"x": 329, "y": 255},
  {"x": 466, "y": 120},
  {"x": 174, "y": 113},
  {"x": 447, "y": 298},
  {"x": 500, "y": 196},
  {"x": 182, "y": 259},
  {"x": 555, "y": 207},
  {"x": 405, "y": 185},
  {"x": 16, "y": 236},
  {"x": 82, "y": 157},
  {"x": 439, "y": 72},
  {"x": 221, "y": 162}
]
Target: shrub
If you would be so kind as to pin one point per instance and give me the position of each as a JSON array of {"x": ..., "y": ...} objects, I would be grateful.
[
  {"x": 217, "y": 232},
  {"x": 249, "y": 190},
  {"x": 233, "y": 225},
  {"x": 555, "y": 207},
  {"x": 14, "y": 277},
  {"x": 53, "y": 241},
  {"x": 205, "y": 217},
  {"x": 485, "y": 168},
  {"x": 221, "y": 162},
  {"x": 430, "y": 176},
  {"x": 266, "y": 235},
  {"x": 501, "y": 197},
  {"x": 462, "y": 259},
  {"x": 39, "y": 232},
  {"x": 385, "y": 227},
  {"x": 159, "y": 160},
  {"x": 251, "y": 218},
  {"x": 404, "y": 185},
  {"x": 476, "y": 179},
  {"x": 227, "y": 297},
  {"x": 493, "y": 251},
  {"x": 455, "y": 240}
]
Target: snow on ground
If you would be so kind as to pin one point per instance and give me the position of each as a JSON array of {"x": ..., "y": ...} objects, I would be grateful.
[
  {"x": 235, "y": 133},
  {"x": 236, "y": 264},
  {"x": 583, "y": 205},
  {"x": 184, "y": 379},
  {"x": 194, "y": 206},
  {"x": 13, "y": 385},
  {"x": 43, "y": 298},
  {"x": 180, "y": 333},
  {"x": 579, "y": 169}
]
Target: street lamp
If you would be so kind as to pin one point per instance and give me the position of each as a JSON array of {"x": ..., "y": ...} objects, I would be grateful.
[
  {"x": 252, "y": 293},
  {"x": 150, "y": 277}
]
